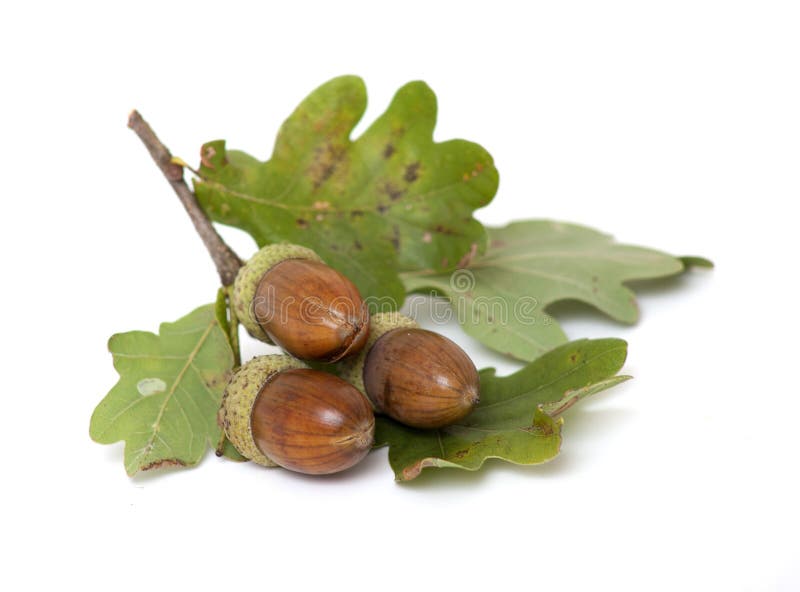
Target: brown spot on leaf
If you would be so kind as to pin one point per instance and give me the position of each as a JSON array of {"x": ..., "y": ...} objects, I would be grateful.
[
  {"x": 381, "y": 208},
  {"x": 426, "y": 238},
  {"x": 167, "y": 462},
  {"x": 474, "y": 172},
  {"x": 393, "y": 192},
  {"x": 395, "y": 239},
  {"x": 326, "y": 159},
  {"x": 466, "y": 260},
  {"x": 301, "y": 223},
  {"x": 412, "y": 172},
  {"x": 321, "y": 205},
  {"x": 573, "y": 358},
  {"x": 206, "y": 154},
  {"x": 357, "y": 245},
  {"x": 388, "y": 151},
  {"x": 461, "y": 453},
  {"x": 411, "y": 472},
  {"x": 324, "y": 175},
  {"x": 356, "y": 213},
  {"x": 217, "y": 381}
]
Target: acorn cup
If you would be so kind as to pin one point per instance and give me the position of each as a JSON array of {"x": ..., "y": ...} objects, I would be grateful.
[
  {"x": 415, "y": 376},
  {"x": 287, "y": 296},
  {"x": 278, "y": 412}
]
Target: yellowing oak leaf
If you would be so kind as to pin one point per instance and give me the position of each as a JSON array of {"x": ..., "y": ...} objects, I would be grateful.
[{"x": 389, "y": 200}]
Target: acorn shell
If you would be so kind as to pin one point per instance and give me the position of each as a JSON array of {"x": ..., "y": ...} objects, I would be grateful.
[
  {"x": 311, "y": 310},
  {"x": 420, "y": 378},
  {"x": 249, "y": 276},
  {"x": 240, "y": 396},
  {"x": 312, "y": 422},
  {"x": 352, "y": 369}
]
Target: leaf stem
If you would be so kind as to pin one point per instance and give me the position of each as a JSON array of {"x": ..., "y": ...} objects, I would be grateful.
[
  {"x": 220, "y": 449},
  {"x": 233, "y": 329},
  {"x": 226, "y": 261}
]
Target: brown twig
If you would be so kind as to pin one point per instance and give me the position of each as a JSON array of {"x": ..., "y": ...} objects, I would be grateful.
[{"x": 227, "y": 262}]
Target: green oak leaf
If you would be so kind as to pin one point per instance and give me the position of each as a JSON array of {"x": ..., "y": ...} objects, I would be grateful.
[
  {"x": 501, "y": 297},
  {"x": 165, "y": 404},
  {"x": 390, "y": 199},
  {"x": 516, "y": 419}
]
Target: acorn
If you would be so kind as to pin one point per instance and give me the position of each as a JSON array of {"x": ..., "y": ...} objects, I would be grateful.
[
  {"x": 287, "y": 296},
  {"x": 278, "y": 412},
  {"x": 415, "y": 376}
]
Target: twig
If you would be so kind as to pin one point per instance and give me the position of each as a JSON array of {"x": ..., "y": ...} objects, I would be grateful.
[{"x": 227, "y": 262}]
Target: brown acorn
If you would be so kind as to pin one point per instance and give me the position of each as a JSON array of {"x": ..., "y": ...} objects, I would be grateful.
[
  {"x": 277, "y": 412},
  {"x": 287, "y": 296},
  {"x": 418, "y": 377}
]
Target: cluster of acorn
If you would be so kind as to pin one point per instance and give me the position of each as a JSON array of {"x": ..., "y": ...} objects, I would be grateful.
[{"x": 277, "y": 411}]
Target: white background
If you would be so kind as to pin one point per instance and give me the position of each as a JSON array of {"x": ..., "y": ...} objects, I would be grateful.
[{"x": 669, "y": 124}]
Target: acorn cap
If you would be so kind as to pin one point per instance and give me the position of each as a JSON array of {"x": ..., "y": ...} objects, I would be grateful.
[
  {"x": 249, "y": 276},
  {"x": 240, "y": 396},
  {"x": 352, "y": 369}
]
